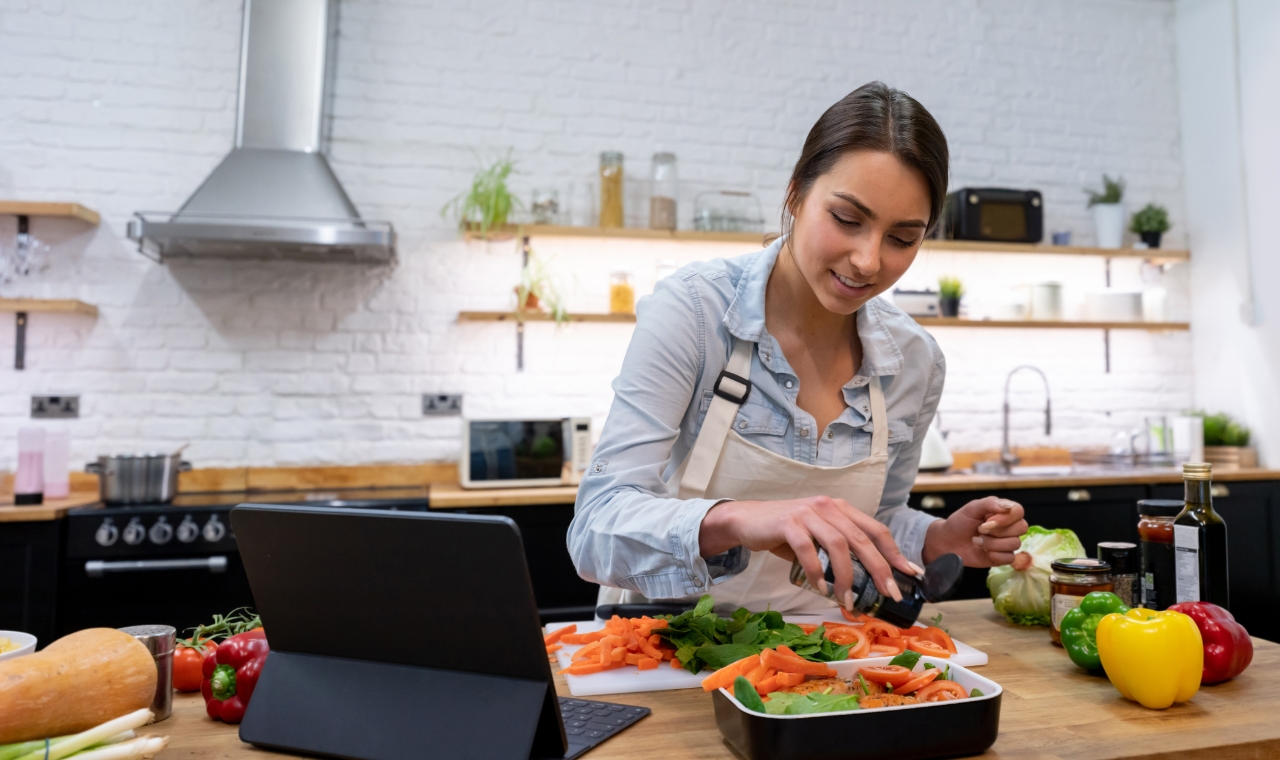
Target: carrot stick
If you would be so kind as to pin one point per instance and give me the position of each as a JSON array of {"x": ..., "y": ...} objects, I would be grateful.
[
  {"x": 759, "y": 674},
  {"x": 675, "y": 664},
  {"x": 767, "y": 685},
  {"x": 587, "y": 651},
  {"x": 789, "y": 679},
  {"x": 554, "y": 648},
  {"x": 724, "y": 676},
  {"x": 788, "y": 651},
  {"x": 555, "y": 635},
  {"x": 787, "y": 664},
  {"x": 584, "y": 638},
  {"x": 647, "y": 663},
  {"x": 618, "y": 653},
  {"x": 650, "y": 650}
]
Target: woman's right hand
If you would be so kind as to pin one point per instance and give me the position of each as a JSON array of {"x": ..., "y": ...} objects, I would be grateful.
[{"x": 789, "y": 528}]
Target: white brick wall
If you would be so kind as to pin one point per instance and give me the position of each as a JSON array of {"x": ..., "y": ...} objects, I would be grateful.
[{"x": 127, "y": 106}]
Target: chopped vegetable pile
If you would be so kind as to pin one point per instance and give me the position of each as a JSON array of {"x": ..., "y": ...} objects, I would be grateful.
[{"x": 622, "y": 642}]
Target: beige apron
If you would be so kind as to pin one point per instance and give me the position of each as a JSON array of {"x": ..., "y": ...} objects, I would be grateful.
[{"x": 724, "y": 465}]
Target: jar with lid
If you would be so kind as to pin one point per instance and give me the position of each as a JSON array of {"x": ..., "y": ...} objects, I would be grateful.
[
  {"x": 622, "y": 295},
  {"x": 1071, "y": 581},
  {"x": 1155, "y": 533},
  {"x": 662, "y": 195},
  {"x": 1124, "y": 561},
  {"x": 611, "y": 189}
]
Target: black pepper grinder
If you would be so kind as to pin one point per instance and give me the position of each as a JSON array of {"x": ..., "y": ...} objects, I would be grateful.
[
  {"x": 939, "y": 581},
  {"x": 1123, "y": 558}
]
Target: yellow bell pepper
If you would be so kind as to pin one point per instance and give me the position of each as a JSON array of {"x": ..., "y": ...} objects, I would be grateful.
[{"x": 1153, "y": 658}]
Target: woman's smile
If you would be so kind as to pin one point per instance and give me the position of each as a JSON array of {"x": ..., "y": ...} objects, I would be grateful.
[{"x": 849, "y": 287}]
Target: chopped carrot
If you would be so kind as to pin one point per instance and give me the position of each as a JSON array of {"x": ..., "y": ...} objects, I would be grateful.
[
  {"x": 784, "y": 649},
  {"x": 759, "y": 674},
  {"x": 724, "y": 676},
  {"x": 789, "y": 679},
  {"x": 767, "y": 685},
  {"x": 584, "y": 638},
  {"x": 655, "y": 640},
  {"x": 586, "y": 668},
  {"x": 647, "y": 663},
  {"x": 675, "y": 664},
  {"x": 587, "y": 651},
  {"x": 618, "y": 654},
  {"x": 792, "y": 664},
  {"x": 634, "y": 658},
  {"x": 555, "y": 635},
  {"x": 554, "y": 648}
]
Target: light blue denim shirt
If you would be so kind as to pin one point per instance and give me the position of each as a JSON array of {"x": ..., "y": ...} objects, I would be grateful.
[{"x": 628, "y": 530}]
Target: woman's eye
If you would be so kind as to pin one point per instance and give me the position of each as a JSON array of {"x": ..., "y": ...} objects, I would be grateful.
[
  {"x": 901, "y": 243},
  {"x": 841, "y": 220}
]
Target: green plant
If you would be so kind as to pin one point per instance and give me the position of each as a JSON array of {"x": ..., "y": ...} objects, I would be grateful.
[
  {"x": 1112, "y": 191},
  {"x": 1151, "y": 218},
  {"x": 488, "y": 202},
  {"x": 1221, "y": 430},
  {"x": 536, "y": 289},
  {"x": 950, "y": 287}
]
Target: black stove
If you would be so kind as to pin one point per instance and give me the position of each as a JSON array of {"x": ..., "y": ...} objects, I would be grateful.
[{"x": 176, "y": 563}]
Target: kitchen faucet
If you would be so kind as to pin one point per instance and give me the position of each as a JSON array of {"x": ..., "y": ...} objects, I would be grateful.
[{"x": 1007, "y": 457}]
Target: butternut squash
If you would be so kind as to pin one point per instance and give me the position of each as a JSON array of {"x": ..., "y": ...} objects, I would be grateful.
[{"x": 74, "y": 684}]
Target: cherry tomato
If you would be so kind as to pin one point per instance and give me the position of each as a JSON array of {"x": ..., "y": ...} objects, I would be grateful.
[
  {"x": 188, "y": 663},
  {"x": 895, "y": 675},
  {"x": 941, "y": 690},
  {"x": 928, "y": 647}
]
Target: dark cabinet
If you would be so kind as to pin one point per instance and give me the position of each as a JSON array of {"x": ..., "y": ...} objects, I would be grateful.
[{"x": 29, "y": 554}]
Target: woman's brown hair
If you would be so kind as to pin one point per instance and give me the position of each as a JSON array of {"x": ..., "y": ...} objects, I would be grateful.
[{"x": 873, "y": 117}]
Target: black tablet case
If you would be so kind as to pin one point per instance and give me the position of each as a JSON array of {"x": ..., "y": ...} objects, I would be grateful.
[{"x": 396, "y": 634}]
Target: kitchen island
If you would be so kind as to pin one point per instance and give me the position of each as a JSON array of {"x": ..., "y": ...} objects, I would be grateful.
[{"x": 1050, "y": 709}]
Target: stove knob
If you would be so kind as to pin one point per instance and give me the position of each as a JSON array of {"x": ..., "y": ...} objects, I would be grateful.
[
  {"x": 107, "y": 534},
  {"x": 214, "y": 530},
  {"x": 161, "y": 532},
  {"x": 188, "y": 531},
  {"x": 134, "y": 533}
]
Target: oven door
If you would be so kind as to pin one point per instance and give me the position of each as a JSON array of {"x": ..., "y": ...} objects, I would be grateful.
[{"x": 182, "y": 591}]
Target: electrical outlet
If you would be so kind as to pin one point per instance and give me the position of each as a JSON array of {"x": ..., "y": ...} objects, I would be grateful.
[
  {"x": 441, "y": 404},
  {"x": 55, "y": 407}
]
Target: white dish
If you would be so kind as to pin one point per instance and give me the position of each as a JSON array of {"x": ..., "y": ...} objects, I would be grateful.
[
  {"x": 25, "y": 641},
  {"x": 630, "y": 680}
]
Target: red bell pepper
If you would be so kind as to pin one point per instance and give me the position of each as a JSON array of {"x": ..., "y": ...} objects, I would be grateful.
[
  {"x": 1228, "y": 650},
  {"x": 230, "y": 674}
]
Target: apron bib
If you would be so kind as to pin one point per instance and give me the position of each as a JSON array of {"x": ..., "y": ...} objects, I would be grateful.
[{"x": 724, "y": 465}]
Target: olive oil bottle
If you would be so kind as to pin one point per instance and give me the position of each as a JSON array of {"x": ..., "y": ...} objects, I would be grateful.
[{"x": 1200, "y": 541}]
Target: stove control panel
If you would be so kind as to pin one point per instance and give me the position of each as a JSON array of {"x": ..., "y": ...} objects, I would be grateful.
[
  {"x": 161, "y": 532},
  {"x": 188, "y": 531},
  {"x": 134, "y": 533},
  {"x": 149, "y": 531},
  {"x": 107, "y": 533}
]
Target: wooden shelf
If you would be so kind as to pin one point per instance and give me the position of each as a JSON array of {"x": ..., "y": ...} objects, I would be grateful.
[
  {"x": 64, "y": 305},
  {"x": 42, "y": 208},
  {"x": 975, "y": 246},
  {"x": 1052, "y": 325},
  {"x": 509, "y": 231},
  {"x": 539, "y": 316}
]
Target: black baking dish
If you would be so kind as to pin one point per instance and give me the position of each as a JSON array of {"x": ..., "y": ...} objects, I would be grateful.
[{"x": 947, "y": 729}]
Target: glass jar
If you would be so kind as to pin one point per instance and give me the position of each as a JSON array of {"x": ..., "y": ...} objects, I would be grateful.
[
  {"x": 1124, "y": 561},
  {"x": 727, "y": 211},
  {"x": 1071, "y": 580},
  {"x": 546, "y": 205},
  {"x": 663, "y": 193},
  {"x": 611, "y": 189},
  {"x": 622, "y": 296},
  {"x": 1158, "y": 569}
]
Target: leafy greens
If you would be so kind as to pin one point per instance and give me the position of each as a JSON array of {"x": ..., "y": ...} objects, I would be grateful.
[
  {"x": 786, "y": 703},
  {"x": 703, "y": 639}
]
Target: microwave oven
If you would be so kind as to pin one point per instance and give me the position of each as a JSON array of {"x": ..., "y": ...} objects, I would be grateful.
[
  {"x": 507, "y": 453},
  {"x": 994, "y": 214}
]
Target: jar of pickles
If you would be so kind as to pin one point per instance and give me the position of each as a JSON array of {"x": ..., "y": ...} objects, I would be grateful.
[{"x": 1071, "y": 581}]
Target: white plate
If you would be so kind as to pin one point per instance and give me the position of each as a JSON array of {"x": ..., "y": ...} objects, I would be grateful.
[
  {"x": 25, "y": 641},
  {"x": 629, "y": 679}
]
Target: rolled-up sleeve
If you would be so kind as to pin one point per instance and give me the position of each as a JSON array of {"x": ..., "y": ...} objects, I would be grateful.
[
  {"x": 627, "y": 531},
  {"x": 908, "y": 525}
]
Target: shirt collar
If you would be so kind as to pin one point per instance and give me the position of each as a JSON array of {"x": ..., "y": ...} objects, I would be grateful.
[{"x": 744, "y": 319}]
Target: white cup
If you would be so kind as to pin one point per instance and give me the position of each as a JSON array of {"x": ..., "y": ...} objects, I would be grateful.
[{"x": 1046, "y": 301}]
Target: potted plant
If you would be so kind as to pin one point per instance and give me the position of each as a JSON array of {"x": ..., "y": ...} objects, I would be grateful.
[
  {"x": 1150, "y": 223},
  {"x": 1108, "y": 212},
  {"x": 536, "y": 290},
  {"x": 486, "y": 205},
  {"x": 950, "y": 290},
  {"x": 1226, "y": 443}
]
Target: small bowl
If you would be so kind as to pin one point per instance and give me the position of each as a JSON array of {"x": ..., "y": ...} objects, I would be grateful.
[{"x": 25, "y": 641}]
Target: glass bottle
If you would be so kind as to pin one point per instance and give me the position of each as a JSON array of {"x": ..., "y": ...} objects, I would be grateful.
[
  {"x": 1072, "y": 580},
  {"x": 28, "y": 483},
  {"x": 1200, "y": 541},
  {"x": 622, "y": 295},
  {"x": 663, "y": 193},
  {"x": 611, "y": 189},
  {"x": 1155, "y": 532}
]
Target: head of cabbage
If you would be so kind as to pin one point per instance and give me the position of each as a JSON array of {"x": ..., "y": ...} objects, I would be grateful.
[{"x": 1020, "y": 591}]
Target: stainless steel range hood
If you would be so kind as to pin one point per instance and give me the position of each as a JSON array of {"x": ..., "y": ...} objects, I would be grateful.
[{"x": 274, "y": 196}]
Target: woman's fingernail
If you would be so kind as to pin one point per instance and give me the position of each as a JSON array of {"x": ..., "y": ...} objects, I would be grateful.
[
  {"x": 987, "y": 526},
  {"x": 977, "y": 540},
  {"x": 919, "y": 571},
  {"x": 822, "y": 586},
  {"x": 893, "y": 590},
  {"x": 848, "y": 600}
]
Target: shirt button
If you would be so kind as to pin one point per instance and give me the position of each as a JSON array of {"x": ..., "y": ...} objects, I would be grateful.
[
  {"x": 789, "y": 383},
  {"x": 804, "y": 432},
  {"x": 831, "y": 434},
  {"x": 768, "y": 356},
  {"x": 742, "y": 424},
  {"x": 598, "y": 468}
]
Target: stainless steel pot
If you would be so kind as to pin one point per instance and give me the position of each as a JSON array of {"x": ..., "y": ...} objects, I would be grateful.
[{"x": 138, "y": 478}]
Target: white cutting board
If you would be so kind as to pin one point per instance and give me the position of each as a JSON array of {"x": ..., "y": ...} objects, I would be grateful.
[{"x": 629, "y": 679}]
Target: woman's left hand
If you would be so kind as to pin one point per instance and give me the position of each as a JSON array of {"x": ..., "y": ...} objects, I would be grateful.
[{"x": 985, "y": 533}]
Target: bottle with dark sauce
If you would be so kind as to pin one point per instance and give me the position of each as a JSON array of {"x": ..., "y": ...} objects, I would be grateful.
[{"x": 1200, "y": 541}]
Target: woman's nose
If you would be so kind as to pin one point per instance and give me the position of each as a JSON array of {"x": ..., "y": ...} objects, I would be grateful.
[{"x": 865, "y": 258}]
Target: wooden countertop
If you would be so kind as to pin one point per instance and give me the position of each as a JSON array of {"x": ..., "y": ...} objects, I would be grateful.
[
  {"x": 51, "y": 509},
  {"x": 1050, "y": 709},
  {"x": 454, "y": 496}
]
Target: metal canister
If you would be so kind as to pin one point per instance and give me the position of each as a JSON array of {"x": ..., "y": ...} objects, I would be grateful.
[{"x": 159, "y": 641}]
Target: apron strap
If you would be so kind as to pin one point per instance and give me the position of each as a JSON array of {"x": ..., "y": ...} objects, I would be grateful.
[
  {"x": 879, "y": 423},
  {"x": 731, "y": 389}
]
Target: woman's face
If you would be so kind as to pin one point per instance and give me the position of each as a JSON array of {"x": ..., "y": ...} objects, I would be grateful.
[{"x": 859, "y": 228}]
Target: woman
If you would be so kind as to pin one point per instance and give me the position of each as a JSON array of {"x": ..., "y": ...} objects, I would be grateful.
[{"x": 769, "y": 404}]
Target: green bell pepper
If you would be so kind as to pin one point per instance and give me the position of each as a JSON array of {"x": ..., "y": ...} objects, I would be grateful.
[{"x": 1079, "y": 627}]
